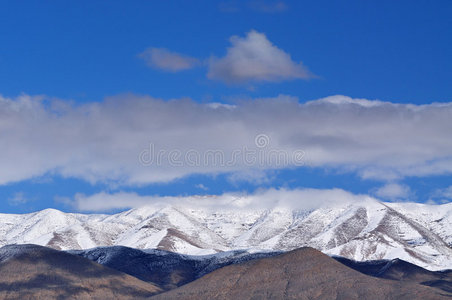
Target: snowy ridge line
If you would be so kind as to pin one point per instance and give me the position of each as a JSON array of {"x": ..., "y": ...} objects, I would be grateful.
[{"x": 366, "y": 230}]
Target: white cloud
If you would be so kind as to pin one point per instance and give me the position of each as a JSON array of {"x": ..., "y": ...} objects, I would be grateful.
[
  {"x": 394, "y": 191},
  {"x": 254, "y": 58},
  {"x": 441, "y": 195},
  {"x": 252, "y": 176},
  {"x": 18, "y": 199},
  {"x": 264, "y": 199},
  {"x": 447, "y": 192},
  {"x": 266, "y": 6},
  {"x": 164, "y": 59},
  {"x": 102, "y": 142},
  {"x": 202, "y": 187}
]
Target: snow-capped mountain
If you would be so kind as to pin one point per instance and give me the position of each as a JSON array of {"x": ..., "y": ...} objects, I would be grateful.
[{"x": 368, "y": 230}]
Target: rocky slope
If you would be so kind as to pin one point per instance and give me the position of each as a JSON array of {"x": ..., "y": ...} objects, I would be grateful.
[
  {"x": 165, "y": 269},
  {"x": 372, "y": 230},
  {"x": 300, "y": 274},
  {"x": 399, "y": 270},
  {"x": 35, "y": 272},
  {"x": 170, "y": 270}
]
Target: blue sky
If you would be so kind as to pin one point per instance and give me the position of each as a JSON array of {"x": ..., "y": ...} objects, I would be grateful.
[{"x": 80, "y": 53}]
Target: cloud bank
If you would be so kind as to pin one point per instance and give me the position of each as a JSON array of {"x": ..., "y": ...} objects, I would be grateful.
[
  {"x": 394, "y": 191},
  {"x": 166, "y": 60},
  {"x": 111, "y": 141},
  {"x": 254, "y": 58},
  {"x": 305, "y": 199}
]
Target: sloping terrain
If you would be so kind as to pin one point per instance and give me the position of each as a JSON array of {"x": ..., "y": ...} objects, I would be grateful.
[
  {"x": 36, "y": 272},
  {"x": 30, "y": 272},
  {"x": 166, "y": 269},
  {"x": 300, "y": 274},
  {"x": 369, "y": 230},
  {"x": 170, "y": 270},
  {"x": 400, "y": 270}
]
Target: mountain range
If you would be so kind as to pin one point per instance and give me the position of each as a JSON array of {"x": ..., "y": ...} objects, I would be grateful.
[
  {"x": 170, "y": 270},
  {"x": 303, "y": 273},
  {"x": 368, "y": 230},
  {"x": 36, "y": 272}
]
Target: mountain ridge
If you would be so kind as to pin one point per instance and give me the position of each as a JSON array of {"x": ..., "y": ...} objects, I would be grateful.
[
  {"x": 36, "y": 272},
  {"x": 117, "y": 272},
  {"x": 303, "y": 273},
  {"x": 370, "y": 230},
  {"x": 170, "y": 270}
]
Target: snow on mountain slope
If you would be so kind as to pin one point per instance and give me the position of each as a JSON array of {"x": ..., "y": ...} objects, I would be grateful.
[{"x": 418, "y": 233}]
